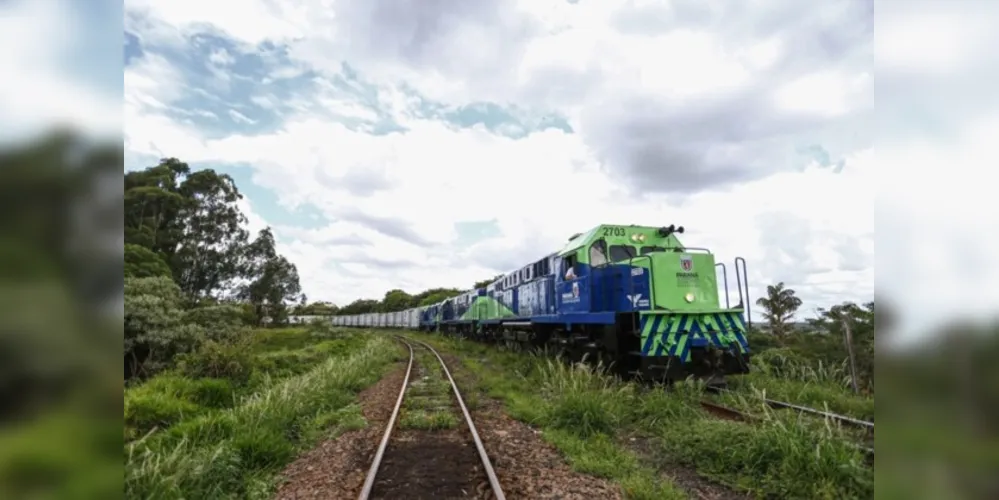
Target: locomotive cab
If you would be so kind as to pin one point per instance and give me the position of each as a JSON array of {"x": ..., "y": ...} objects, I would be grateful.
[{"x": 664, "y": 298}]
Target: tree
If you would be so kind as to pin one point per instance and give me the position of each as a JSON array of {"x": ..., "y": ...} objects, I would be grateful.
[
  {"x": 141, "y": 262},
  {"x": 396, "y": 300},
  {"x": 779, "y": 307},
  {"x": 154, "y": 329},
  {"x": 272, "y": 281},
  {"x": 190, "y": 220},
  {"x": 862, "y": 322},
  {"x": 209, "y": 253},
  {"x": 359, "y": 306},
  {"x": 486, "y": 282}
]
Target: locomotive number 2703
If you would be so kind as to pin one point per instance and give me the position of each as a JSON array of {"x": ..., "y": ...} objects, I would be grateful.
[{"x": 614, "y": 231}]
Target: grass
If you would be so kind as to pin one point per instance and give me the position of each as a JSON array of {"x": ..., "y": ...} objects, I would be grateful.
[
  {"x": 775, "y": 377},
  {"x": 190, "y": 439},
  {"x": 428, "y": 404},
  {"x": 592, "y": 418},
  {"x": 273, "y": 356}
]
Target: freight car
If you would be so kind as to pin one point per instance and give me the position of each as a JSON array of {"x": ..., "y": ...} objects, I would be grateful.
[{"x": 634, "y": 297}]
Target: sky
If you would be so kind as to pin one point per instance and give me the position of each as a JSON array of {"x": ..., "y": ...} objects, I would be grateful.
[{"x": 415, "y": 144}]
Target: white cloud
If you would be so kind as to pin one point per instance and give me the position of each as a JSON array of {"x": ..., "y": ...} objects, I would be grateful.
[
  {"x": 240, "y": 117},
  {"x": 252, "y": 21},
  {"x": 809, "y": 226}
]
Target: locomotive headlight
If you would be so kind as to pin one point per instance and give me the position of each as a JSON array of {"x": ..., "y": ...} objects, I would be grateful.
[{"x": 689, "y": 297}]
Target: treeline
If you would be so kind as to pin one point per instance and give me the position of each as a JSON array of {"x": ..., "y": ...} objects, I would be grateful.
[
  {"x": 821, "y": 347},
  {"x": 188, "y": 226},
  {"x": 399, "y": 300},
  {"x": 193, "y": 278}
]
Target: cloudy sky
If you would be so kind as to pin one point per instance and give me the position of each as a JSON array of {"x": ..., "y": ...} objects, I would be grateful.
[{"x": 411, "y": 144}]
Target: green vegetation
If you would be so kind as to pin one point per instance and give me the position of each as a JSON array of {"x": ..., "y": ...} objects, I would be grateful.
[
  {"x": 59, "y": 381},
  {"x": 429, "y": 400},
  {"x": 193, "y": 436},
  {"x": 938, "y": 435},
  {"x": 625, "y": 432}
]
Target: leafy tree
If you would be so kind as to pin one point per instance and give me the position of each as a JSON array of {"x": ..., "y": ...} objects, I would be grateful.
[
  {"x": 209, "y": 254},
  {"x": 152, "y": 206},
  {"x": 191, "y": 220},
  {"x": 272, "y": 280},
  {"x": 320, "y": 308},
  {"x": 779, "y": 307},
  {"x": 486, "y": 282},
  {"x": 360, "y": 306},
  {"x": 396, "y": 300},
  {"x": 141, "y": 262},
  {"x": 154, "y": 329},
  {"x": 861, "y": 320}
]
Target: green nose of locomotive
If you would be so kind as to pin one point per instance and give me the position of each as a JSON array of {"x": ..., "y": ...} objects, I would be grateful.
[
  {"x": 684, "y": 280},
  {"x": 688, "y": 329}
]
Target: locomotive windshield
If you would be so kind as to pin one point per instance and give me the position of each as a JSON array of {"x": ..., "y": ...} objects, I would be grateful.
[
  {"x": 622, "y": 252},
  {"x": 648, "y": 250}
]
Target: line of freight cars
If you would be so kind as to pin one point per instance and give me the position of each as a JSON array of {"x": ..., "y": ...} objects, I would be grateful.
[{"x": 634, "y": 297}]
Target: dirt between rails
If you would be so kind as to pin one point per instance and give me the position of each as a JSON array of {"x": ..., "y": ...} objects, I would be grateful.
[{"x": 431, "y": 464}]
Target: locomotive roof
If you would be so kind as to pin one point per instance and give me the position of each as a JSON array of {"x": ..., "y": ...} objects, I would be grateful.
[
  {"x": 578, "y": 241},
  {"x": 594, "y": 234}
]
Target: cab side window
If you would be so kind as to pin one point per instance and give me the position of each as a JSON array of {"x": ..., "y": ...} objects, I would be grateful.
[
  {"x": 598, "y": 253},
  {"x": 569, "y": 263}
]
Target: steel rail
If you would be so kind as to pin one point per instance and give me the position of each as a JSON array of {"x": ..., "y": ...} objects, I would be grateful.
[
  {"x": 725, "y": 412},
  {"x": 369, "y": 481},
  {"x": 486, "y": 463},
  {"x": 804, "y": 409},
  {"x": 733, "y": 414},
  {"x": 834, "y": 416}
]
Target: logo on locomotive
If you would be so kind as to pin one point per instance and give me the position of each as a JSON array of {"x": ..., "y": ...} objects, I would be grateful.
[
  {"x": 686, "y": 263},
  {"x": 575, "y": 289}
]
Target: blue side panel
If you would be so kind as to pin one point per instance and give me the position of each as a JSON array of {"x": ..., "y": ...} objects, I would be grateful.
[
  {"x": 618, "y": 287},
  {"x": 573, "y": 296},
  {"x": 601, "y": 318},
  {"x": 535, "y": 298},
  {"x": 508, "y": 298}
]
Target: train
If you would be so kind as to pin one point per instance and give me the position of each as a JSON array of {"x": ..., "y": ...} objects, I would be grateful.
[{"x": 633, "y": 297}]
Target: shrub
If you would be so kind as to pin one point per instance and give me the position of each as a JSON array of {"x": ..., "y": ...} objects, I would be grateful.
[
  {"x": 153, "y": 326},
  {"x": 232, "y": 361},
  {"x": 146, "y": 410},
  {"x": 224, "y": 323},
  {"x": 141, "y": 262}
]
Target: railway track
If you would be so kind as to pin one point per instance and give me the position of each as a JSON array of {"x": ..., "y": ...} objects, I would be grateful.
[
  {"x": 842, "y": 419},
  {"x": 374, "y": 484},
  {"x": 728, "y": 413}
]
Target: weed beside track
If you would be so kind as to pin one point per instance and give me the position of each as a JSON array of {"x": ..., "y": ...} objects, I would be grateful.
[
  {"x": 626, "y": 432},
  {"x": 234, "y": 450}
]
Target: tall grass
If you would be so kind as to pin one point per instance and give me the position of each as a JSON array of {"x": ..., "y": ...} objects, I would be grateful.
[
  {"x": 233, "y": 452},
  {"x": 776, "y": 374},
  {"x": 589, "y": 415}
]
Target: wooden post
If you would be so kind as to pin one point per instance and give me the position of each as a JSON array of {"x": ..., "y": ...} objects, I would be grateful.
[{"x": 848, "y": 338}]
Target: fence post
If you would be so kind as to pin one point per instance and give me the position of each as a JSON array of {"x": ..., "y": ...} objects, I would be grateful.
[{"x": 848, "y": 338}]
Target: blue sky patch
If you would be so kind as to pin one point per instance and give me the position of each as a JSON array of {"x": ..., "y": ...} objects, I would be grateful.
[{"x": 472, "y": 232}]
